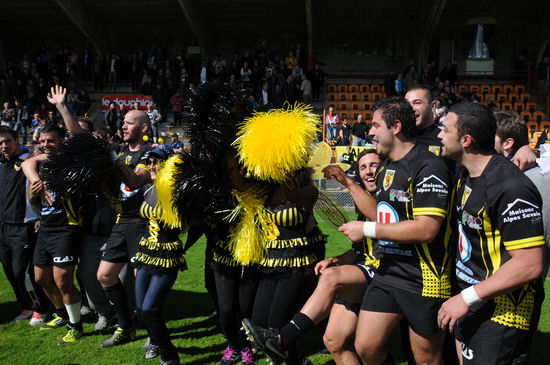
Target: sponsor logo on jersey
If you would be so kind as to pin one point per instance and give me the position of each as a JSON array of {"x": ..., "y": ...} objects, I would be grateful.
[
  {"x": 17, "y": 166},
  {"x": 436, "y": 150},
  {"x": 126, "y": 192},
  {"x": 387, "y": 214},
  {"x": 60, "y": 260},
  {"x": 466, "y": 352},
  {"x": 465, "y": 195},
  {"x": 432, "y": 184},
  {"x": 388, "y": 178},
  {"x": 400, "y": 195},
  {"x": 128, "y": 160},
  {"x": 471, "y": 221},
  {"x": 464, "y": 246},
  {"x": 521, "y": 209}
]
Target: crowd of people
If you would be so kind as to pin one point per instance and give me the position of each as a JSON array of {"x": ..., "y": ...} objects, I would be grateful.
[
  {"x": 271, "y": 79},
  {"x": 442, "y": 244}
]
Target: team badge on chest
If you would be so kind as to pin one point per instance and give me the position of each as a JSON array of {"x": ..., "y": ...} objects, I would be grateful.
[{"x": 388, "y": 178}]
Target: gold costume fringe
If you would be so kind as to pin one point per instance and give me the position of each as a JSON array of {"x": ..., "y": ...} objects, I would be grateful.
[
  {"x": 254, "y": 227},
  {"x": 166, "y": 263},
  {"x": 164, "y": 184}
]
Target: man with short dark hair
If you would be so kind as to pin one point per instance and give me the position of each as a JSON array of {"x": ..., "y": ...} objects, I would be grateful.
[
  {"x": 360, "y": 130},
  {"x": 58, "y": 241},
  {"x": 499, "y": 259},
  {"x": 17, "y": 222},
  {"x": 409, "y": 214}
]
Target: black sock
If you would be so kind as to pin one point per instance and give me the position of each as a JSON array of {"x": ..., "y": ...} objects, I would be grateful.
[
  {"x": 117, "y": 297},
  {"x": 62, "y": 312},
  {"x": 294, "y": 329},
  {"x": 77, "y": 326}
]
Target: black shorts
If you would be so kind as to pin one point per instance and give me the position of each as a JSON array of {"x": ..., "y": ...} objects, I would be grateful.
[
  {"x": 487, "y": 342},
  {"x": 123, "y": 242},
  {"x": 420, "y": 312},
  {"x": 368, "y": 271},
  {"x": 57, "y": 246}
]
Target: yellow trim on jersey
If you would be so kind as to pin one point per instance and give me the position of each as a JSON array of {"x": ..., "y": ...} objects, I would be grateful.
[
  {"x": 142, "y": 166},
  {"x": 524, "y": 243},
  {"x": 493, "y": 242},
  {"x": 438, "y": 212},
  {"x": 509, "y": 313},
  {"x": 486, "y": 228},
  {"x": 73, "y": 218}
]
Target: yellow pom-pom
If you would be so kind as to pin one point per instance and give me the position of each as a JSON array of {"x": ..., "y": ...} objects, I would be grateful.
[
  {"x": 274, "y": 144},
  {"x": 164, "y": 184},
  {"x": 161, "y": 140},
  {"x": 145, "y": 138}
]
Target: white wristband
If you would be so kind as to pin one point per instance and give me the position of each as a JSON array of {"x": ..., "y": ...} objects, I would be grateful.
[
  {"x": 470, "y": 296},
  {"x": 369, "y": 229}
]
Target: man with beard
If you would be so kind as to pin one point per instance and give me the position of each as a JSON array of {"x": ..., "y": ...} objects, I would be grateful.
[{"x": 409, "y": 213}]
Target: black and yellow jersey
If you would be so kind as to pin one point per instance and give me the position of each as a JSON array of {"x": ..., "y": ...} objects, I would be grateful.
[
  {"x": 131, "y": 199},
  {"x": 162, "y": 249},
  {"x": 12, "y": 193},
  {"x": 499, "y": 211},
  {"x": 427, "y": 138},
  {"x": 416, "y": 185},
  {"x": 368, "y": 252},
  {"x": 62, "y": 212}
]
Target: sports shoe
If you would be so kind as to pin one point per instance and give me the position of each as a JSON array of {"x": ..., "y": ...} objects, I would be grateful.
[
  {"x": 24, "y": 315},
  {"x": 72, "y": 336},
  {"x": 230, "y": 356},
  {"x": 55, "y": 322},
  {"x": 104, "y": 322},
  {"x": 247, "y": 357},
  {"x": 146, "y": 344},
  {"x": 38, "y": 318},
  {"x": 260, "y": 336},
  {"x": 119, "y": 337},
  {"x": 85, "y": 310},
  {"x": 152, "y": 352}
]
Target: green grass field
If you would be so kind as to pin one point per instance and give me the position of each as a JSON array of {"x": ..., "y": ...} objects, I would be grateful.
[{"x": 198, "y": 339}]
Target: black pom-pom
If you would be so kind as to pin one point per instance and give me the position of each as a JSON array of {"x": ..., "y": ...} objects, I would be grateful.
[{"x": 83, "y": 164}]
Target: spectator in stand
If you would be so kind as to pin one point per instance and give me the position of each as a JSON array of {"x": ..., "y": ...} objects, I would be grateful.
[
  {"x": 176, "y": 144},
  {"x": 83, "y": 103},
  {"x": 246, "y": 74},
  {"x": 114, "y": 65},
  {"x": 278, "y": 97},
  {"x": 154, "y": 117},
  {"x": 305, "y": 88},
  {"x": 360, "y": 131},
  {"x": 35, "y": 121},
  {"x": 204, "y": 72},
  {"x": 331, "y": 123},
  {"x": 177, "y": 101},
  {"x": 290, "y": 63},
  {"x": 291, "y": 90},
  {"x": 448, "y": 73},
  {"x": 252, "y": 102},
  {"x": 399, "y": 84},
  {"x": 21, "y": 119},
  {"x": 317, "y": 81},
  {"x": 120, "y": 113},
  {"x": 264, "y": 98},
  {"x": 111, "y": 118},
  {"x": 72, "y": 100},
  {"x": 389, "y": 83},
  {"x": 7, "y": 115},
  {"x": 160, "y": 99},
  {"x": 344, "y": 133},
  {"x": 411, "y": 77}
]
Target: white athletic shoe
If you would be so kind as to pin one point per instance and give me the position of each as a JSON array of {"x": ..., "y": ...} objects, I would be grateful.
[
  {"x": 38, "y": 318},
  {"x": 24, "y": 315},
  {"x": 85, "y": 310}
]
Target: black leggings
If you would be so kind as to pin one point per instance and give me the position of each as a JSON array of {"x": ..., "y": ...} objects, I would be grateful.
[
  {"x": 151, "y": 292},
  {"x": 235, "y": 291},
  {"x": 278, "y": 298}
]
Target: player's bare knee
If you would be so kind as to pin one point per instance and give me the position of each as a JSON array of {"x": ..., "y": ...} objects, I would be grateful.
[{"x": 333, "y": 343}]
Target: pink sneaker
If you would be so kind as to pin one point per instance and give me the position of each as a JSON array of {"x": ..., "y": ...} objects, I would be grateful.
[
  {"x": 247, "y": 357},
  {"x": 230, "y": 356},
  {"x": 25, "y": 314}
]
